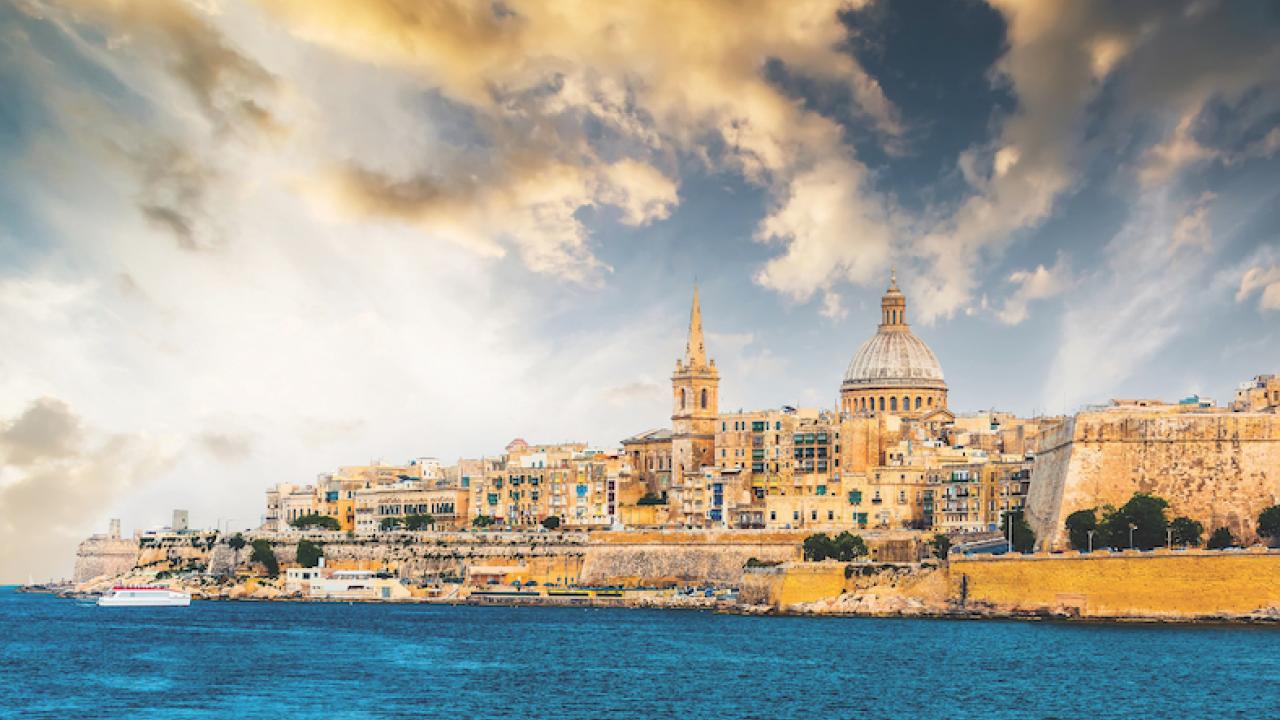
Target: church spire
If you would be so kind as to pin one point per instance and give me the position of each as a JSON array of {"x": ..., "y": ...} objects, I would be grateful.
[{"x": 695, "y": 352}]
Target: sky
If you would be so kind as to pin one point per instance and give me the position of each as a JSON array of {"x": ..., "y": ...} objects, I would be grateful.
[{"x": 243, "y": 242}]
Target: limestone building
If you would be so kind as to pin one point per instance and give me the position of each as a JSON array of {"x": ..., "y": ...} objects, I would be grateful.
[
  {"x": 695, "y": 385},
  {"x": 895, "y": 371}
]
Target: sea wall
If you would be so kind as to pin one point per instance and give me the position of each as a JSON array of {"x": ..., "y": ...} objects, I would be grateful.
[
  {"x": 1181, "y": 585},
  {"x": 1221, "y": 469},
  {"x": 786, "y": 586}
]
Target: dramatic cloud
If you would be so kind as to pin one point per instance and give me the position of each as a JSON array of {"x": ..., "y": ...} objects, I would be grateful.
[
  {"x": 536, "y": 69},
  {"x": 535, "y": 208},
  {"x": 56, "y": 478}
]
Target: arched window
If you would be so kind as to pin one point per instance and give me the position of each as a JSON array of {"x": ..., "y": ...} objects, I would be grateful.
[
  {"x": 704, "y": 398},
  {"x": 681, "y": 398},
  {"x": 893, "y": 404},
  {"x": 881, "y": 403},
  {"x": 906, "y": 403},
  {"x": 917, "y": 402},
  {"x": 930, "y": 402}
]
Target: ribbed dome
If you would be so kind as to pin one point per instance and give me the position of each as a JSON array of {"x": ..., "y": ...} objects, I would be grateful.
[{"x": 894, "y": 357}]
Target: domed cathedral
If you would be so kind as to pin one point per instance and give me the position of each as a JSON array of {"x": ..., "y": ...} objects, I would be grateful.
[
  {"x": 894, "y": 372},
  {"x": 694, "y": 388}
]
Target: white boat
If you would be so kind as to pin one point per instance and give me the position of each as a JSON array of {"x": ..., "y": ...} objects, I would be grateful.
[{"x": 144, "y": 596}]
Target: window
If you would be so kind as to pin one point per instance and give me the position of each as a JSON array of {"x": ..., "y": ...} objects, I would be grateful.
[
  {"x": 681, "y": 398},
  {"x": 893, "y": 404},
  {"x": 881, "y": 403},
  {"x": 724, "y": 426},
  {"x": 930, "y": 402},
  {"x": 704, "y": 398},
  {"x": 773, "y": 514},
  {"x": 831, "y": 515}
]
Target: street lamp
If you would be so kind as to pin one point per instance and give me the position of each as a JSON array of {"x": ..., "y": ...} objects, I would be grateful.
[
  {"x": 1132, "y": 527},
  {"x": 1091, "y": 540}
]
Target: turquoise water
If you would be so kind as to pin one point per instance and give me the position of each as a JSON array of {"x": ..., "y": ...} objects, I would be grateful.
[{"x": 67, "y": 659}]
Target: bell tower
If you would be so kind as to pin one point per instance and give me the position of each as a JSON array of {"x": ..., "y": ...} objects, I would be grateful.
[{"x": 695, "y": 385}]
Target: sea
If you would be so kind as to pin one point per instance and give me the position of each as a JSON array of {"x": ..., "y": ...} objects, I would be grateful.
[{"x": 62, "y": 658}]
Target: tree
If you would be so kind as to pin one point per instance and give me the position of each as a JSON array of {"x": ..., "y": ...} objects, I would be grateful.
[
  {"x": 419, "y": 522},
  {"x": 1079, "y": 523},
  {"x": 941, "y": 546},
  {"x": 1269, "y": 523},
  {"x": 551, "y": 522},
  {"x": 236, "y": 543},
  {"x": 391, "y": 523},
  {"x": 1185, "y": 531},
  {"x": 262, "y": 553},
  {"x": 651, "y": 499},
  {"x": 1023, "y": 539},
  {"x": 818, "y": 547},
  {"x": 1145, "y": 513},
  {"x": 316, "y": 520},
  {"x": 309, "y": 553},
  {"x": 847, "y": 546},
  {"x": 481, "y": 521},
  {"x": 1220, "y": 539}
]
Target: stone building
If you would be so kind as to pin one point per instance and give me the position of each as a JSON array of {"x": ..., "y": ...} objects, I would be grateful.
[
  {"x": 1261, "y": 394},
  {"x": 895, "y": 371},
  {"x": 695, "y": 385}
]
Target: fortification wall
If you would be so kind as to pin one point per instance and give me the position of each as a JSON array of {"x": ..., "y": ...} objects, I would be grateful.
[
  {"x": 1220, "y": 469},
  {"x": 101, "y": 556},
  {"x": 1172, "y": 585}
]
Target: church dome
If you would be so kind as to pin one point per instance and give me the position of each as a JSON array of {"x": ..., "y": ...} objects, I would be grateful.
[{"x": 894, "y": 356}]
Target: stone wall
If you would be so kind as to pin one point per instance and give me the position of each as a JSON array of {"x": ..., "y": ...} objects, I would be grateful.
[
  {"x": 101, "y": 556},
  {"x": 1172, "y": 585},
  {"x": 1221, "y": 469}
]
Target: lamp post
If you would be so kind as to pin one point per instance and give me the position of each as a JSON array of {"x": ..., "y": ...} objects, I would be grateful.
[
  {"x": 1091, "y": 540},
  {"x": 1168, "y": 538},
  {"x": 1132, "y": 527}
]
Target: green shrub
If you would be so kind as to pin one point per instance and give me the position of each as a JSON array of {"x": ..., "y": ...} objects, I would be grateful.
[
  {"x": 418, "y": 522},
  {"x": 316, "y": 520},
  {"x": 1221, "y": 538},
  {"x": 1023, "y": 540},
  {"x": 1185, "y": 531},
  {"x": 1269, "y": 523},
  {"x": 651, "y": 499},
  {"x": 263, "y": 554},
  {"x": 309, "y": 554},
  {"x": 551, "y": 522}
]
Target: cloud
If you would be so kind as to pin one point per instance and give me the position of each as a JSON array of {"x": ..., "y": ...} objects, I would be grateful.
[
  {"x": 229, "y": 447},
  {"x": 57, "y": 479},
  {"x": 833, "y": 306},
  {"x": 1166, "y": 159},
  {"x": 530, "y": 71},
  {"x": 1193, "y": 229},
  {"x": 1032, "y": 285},
  {"x": 229, "y": 88},
  {"x": 532, "y": 205},
  {"x": 831, "y": 229},
  {"x": 1263, "y": 280}
]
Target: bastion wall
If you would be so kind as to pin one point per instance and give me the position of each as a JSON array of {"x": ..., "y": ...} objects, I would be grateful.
[{"x": 1218, "y": 468}]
